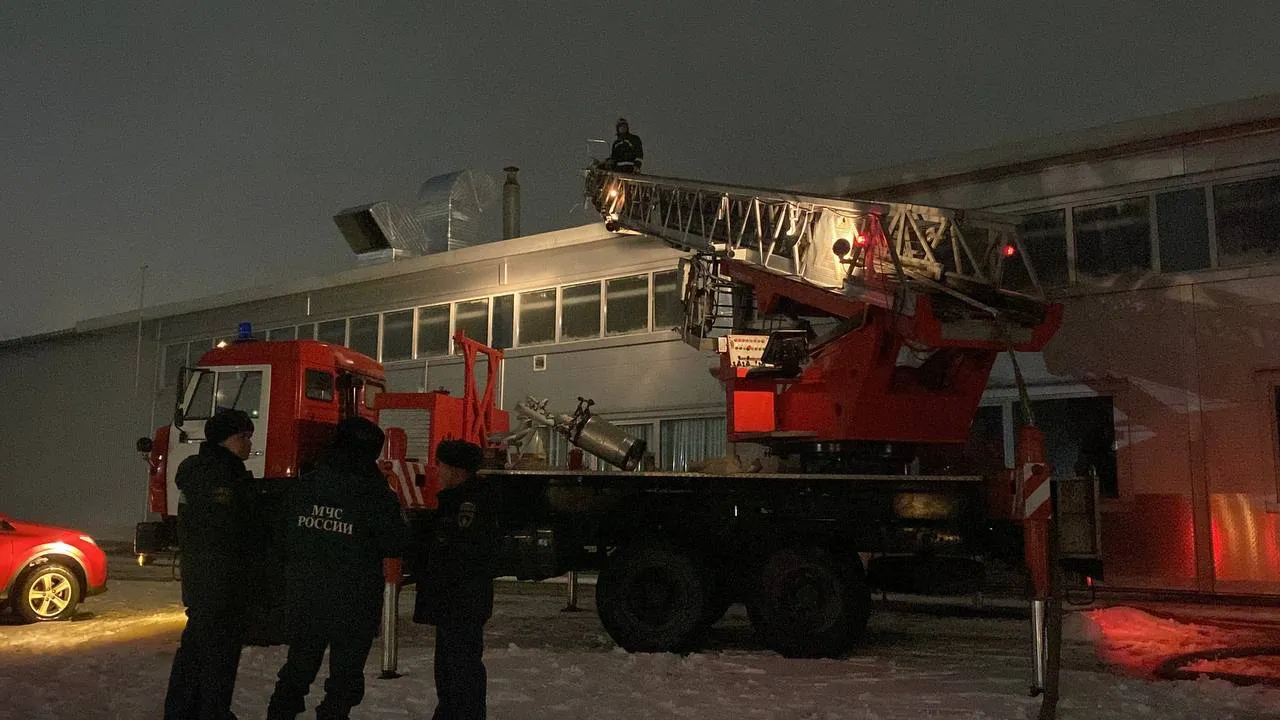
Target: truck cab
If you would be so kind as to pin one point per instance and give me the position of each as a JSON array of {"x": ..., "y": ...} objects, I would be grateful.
[{"x": 295, "y": 392}]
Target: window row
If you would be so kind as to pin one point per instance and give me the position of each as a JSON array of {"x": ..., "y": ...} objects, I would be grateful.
[
  {"x": 583, "y": 311},
  {"x": 1218, "y": 226}
]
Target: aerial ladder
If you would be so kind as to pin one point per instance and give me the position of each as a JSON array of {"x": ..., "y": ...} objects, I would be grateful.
[{"x": 848, "y": 329}]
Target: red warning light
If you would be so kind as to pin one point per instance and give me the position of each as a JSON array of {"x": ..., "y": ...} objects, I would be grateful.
[
  {"x": 1009, "y": 250},
  {"x": 861, "y": 239}
]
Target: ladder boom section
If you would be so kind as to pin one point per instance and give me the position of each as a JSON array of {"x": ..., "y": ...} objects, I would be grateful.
[{"x": 872, "y": 253}]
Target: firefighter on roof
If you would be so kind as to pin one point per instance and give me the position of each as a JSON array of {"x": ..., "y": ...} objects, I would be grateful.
[
  {"x": 340, "y": 522},
  {"x": 455, "y": 591},
  {"x": 216, "y": 523},
  {"x": 628, "y": 152}
]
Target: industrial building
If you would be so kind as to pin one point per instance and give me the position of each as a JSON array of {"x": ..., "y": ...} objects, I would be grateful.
[{"x": 1158, "y": 236}]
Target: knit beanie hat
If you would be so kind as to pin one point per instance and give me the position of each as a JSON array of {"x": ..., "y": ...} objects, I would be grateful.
[{"x": 226, "y": 423}]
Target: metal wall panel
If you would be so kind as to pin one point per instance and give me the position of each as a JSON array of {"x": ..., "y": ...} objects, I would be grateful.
[{"x": 69, "y": 430}]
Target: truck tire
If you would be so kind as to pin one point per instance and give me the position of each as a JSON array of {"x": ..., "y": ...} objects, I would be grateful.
[
  {"x": 651, "y": 597},
  {"x": 47, "y": 592},
  {"x": 808, "y": 603}
]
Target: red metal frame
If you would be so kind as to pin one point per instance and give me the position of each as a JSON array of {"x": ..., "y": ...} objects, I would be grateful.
[
  {"x": 853, "y": 387},
  {"x": 479, "y": 411},
  {"x": 472, "y": 417}
]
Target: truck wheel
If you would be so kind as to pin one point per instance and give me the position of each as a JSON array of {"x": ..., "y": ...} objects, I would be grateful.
[
  {"x": 47, "y": 592},
  {"x": 651, "y": 598},
  {"x": 809, "y": 604}
]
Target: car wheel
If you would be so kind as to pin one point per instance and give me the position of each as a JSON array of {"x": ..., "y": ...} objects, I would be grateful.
[{"x": 47, "y": 592}]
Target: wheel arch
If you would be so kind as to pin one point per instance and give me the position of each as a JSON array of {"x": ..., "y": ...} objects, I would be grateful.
[{"x": 52, "y": 554}]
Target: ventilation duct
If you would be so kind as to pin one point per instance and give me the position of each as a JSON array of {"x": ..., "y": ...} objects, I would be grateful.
[{"x": 452, "y": 211}]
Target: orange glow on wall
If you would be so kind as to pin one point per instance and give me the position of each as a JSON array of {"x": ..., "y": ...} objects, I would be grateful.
[{"x": 1246, "y": 543}]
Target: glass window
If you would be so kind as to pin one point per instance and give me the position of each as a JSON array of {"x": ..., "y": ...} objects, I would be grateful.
[
  {"x": 1114, "y": 238},
  {"x": 371, "y": 393},
  {"x": 202, "y": 399},
  {"x": 319, "y": 385},
  {"x": 333, "y": 332},
  {"x": 504, "y": 318},
  {"x": 472, "y": 318},
  {"x": 626, "y": 305},
  {"x": 1247, "y": 215},
  {"x": 1044, "y": 240},
  {"x": 288, "y": 333},
  {"x": 580, "y": 312},
  {"x": 175, "y": 357},
  {"x": 1182, "y": 220},
  {"x": 307, "y": 332},
  {"x": 685, "y": 442},
  {"x": 364, "y": 335},
  {"x": 668, "y": 310},
  {"x": 239, "y": 391},
  {"x": 433, "y": 331},
  {"x": 538, "y": 317},
  {"x": 397, "y": 336}
]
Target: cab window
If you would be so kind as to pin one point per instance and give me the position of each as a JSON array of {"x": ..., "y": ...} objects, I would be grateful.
[
  {"x": 240, "y": 390},
  {"x": 319, "y": 385},
  {"x": 201, "y": 405},
  {"x": 371, "y": 393}
]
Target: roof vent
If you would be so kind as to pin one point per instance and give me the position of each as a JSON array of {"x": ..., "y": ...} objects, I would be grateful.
[{"x": 452, "y": 211}]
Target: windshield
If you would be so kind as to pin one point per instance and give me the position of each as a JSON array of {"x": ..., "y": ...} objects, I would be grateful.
[{"x": 213, "y": 391}]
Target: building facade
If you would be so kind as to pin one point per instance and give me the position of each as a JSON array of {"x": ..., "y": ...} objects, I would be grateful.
[
  {"x": 1161, "y": 237},
  {"x": 1162, "y": 240}
]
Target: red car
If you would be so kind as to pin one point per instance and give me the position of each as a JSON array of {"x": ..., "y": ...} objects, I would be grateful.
[{"x": 46, "y": 571}]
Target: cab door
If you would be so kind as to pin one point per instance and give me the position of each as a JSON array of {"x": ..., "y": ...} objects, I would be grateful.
[{"x": 238, "y": 387}]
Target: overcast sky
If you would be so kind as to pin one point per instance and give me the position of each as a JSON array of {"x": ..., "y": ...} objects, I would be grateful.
[{"x": 215, "y": 142}]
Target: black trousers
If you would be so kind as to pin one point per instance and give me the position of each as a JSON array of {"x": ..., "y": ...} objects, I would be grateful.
[
  {"x": 460, "y": 674},
  {"x": 344, "y": 688},
  {"x": 203, "y": 677}
]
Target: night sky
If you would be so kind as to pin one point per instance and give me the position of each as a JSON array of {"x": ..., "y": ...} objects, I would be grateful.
[{"x": 215, "y": 142}]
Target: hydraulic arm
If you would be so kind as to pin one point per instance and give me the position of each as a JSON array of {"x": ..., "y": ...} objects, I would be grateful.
[{"x": 840, "y": 320}]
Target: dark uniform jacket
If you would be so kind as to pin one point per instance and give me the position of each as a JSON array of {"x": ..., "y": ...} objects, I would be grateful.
[
  {"x": 216, "y": 525},
  {"x": 627, "y": 149},
  {"x": 460, "y": 557},
  {"x": 340, "y": 521}
]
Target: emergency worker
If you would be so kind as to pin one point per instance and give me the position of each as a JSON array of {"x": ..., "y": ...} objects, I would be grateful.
[
  {"x": 628, "y": 152},
  {"x": 340, "y": 522},
  {"x": 215, "y": 532},
  {"x": 455, "y": 590}
]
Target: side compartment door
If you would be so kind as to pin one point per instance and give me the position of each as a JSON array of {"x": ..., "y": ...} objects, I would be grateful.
[{"x": 239, "y": 387}]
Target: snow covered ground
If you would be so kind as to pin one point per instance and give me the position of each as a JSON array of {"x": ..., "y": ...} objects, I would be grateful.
[{"x": 923, "y": 663}]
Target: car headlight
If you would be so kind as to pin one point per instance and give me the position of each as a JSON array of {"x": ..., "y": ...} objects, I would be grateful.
[{"x": 88, "y": 539}]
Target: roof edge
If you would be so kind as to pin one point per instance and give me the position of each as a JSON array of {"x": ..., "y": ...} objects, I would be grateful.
[
  {"x": 1200, "y": 124},
  {"x": 495, "y": 250}
]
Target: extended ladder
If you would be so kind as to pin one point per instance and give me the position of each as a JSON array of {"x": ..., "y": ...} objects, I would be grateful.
[{"x": 880, "y": 253}]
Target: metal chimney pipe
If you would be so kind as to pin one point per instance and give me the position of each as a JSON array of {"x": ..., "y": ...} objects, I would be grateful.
[{"x": 511, "y": 204}]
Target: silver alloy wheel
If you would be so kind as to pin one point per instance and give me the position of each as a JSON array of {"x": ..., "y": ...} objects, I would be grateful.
[{"x": 50, "y": 594}]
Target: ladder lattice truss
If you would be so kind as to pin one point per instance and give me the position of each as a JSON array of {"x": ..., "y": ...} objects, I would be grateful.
[{"x": 855, "y": 248}]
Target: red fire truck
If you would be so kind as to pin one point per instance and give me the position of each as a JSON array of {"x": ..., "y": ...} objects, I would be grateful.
[
  {"x": 296, "y": 392},
  {"x": 855, "y": 339}
]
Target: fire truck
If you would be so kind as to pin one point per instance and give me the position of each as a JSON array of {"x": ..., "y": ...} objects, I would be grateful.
[{"x": 855, "y": 340}]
